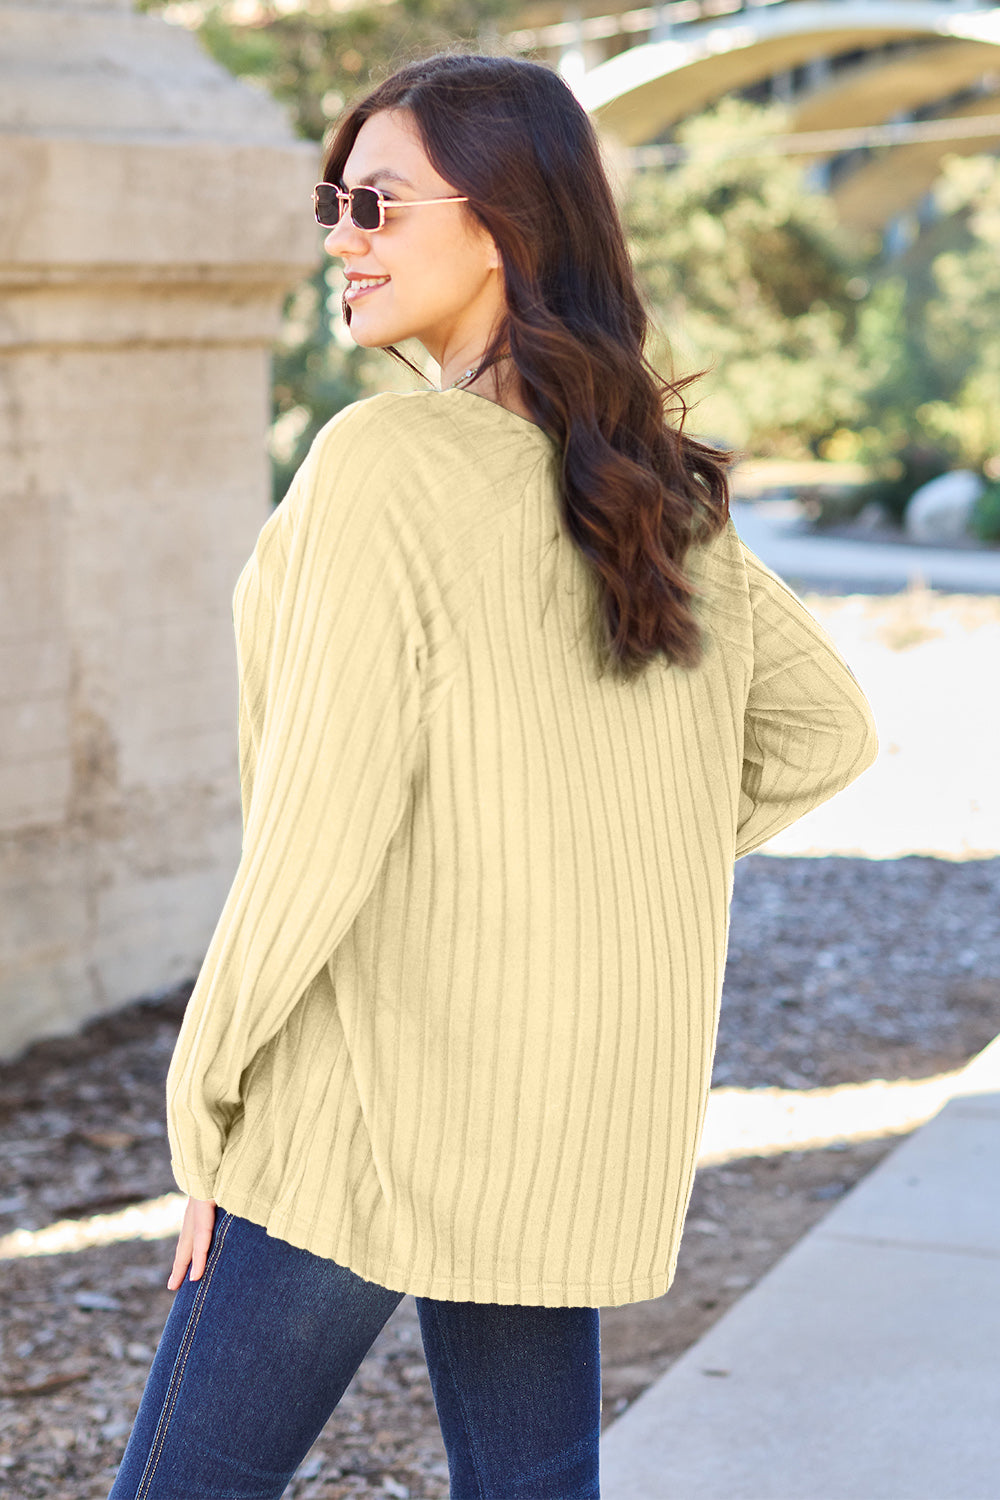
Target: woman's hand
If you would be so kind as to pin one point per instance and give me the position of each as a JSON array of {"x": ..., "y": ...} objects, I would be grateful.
[{"x": 195, "y": 1238}]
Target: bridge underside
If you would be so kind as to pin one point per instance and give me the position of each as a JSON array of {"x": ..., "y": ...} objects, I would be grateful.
[
  {"x": 842, "y": 64},
  {"x": 891, "y": 183}
]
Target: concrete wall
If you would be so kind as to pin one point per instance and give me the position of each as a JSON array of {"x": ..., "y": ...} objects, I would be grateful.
[{"x": 153, "y": 212}]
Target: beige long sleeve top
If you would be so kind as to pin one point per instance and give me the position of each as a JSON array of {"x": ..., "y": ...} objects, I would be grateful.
[{"x": 455, "y": 1026}]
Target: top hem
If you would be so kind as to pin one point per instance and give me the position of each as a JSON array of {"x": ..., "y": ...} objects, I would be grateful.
[{"x": 447, "y": 1288}]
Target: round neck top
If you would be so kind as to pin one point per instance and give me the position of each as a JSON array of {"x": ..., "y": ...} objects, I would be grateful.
[
  {"x": 504, "y": 412},
  {"x": 454, "y": 1028}
]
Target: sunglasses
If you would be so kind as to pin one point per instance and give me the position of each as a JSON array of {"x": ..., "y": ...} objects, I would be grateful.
[{"x": 366, "y": 205}]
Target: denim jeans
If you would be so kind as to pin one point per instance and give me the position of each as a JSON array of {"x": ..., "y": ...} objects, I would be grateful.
[{"x": 256, "y": 1354}]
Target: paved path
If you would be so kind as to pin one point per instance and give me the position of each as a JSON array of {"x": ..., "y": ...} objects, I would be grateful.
[
  {"x": 866, "y": 1364},
  {"x": 772, "y": 530},
  {"x": 934, "y": 788}
]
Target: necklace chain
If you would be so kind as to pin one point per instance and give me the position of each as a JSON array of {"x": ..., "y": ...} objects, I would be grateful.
[{"x": 469, "y": 374}]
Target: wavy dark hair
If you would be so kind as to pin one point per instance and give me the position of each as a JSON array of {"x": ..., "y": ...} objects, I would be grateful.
[{"x": 635, "y": 490}]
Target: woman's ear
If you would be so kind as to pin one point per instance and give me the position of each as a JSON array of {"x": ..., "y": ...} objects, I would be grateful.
[{"x": 494, "y": 261}]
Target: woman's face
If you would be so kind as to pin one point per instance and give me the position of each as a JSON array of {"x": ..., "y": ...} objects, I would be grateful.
[{"x": 438, "y": 270}]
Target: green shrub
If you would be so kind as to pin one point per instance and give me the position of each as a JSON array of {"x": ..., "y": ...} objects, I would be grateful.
[
  {"x": 985, "y": 519},
  {"x": 832, "y": 504},
  {"x": 913, "y": 466}
]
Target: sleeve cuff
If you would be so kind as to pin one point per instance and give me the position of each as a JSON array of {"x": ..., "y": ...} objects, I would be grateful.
[{"x": 195, "y": 1187}]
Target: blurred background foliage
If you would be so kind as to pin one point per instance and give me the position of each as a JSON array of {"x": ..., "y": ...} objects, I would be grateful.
[
  {"x": 814, "y": 346},
  {"x": 750, "y": 278}
]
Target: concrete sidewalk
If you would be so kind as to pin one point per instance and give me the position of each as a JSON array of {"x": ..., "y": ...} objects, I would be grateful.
[
  {"x": 773, "y": 530},
  {"x": 866, "y": 1364}
]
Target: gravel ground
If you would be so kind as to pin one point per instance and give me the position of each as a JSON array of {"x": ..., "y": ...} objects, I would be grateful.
[{"x": 840, "y": 970}]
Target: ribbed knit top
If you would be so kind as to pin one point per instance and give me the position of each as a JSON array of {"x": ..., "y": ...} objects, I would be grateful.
[{"x": 455, "y": 1026}]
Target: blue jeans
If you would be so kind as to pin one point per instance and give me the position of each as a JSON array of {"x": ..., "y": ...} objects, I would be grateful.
[{"x": 256, "y": 1354}]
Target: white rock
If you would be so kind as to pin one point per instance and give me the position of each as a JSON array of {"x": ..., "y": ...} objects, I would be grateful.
[{"x": 939, "y": 511}]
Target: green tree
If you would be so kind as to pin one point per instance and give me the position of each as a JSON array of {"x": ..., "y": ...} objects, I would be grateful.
[
  {"x": 315, "y": 60},
  {"x": 750, "y": 276},
  {"x": 937, "y": 403},
  {"x": 962, "y": 326}
]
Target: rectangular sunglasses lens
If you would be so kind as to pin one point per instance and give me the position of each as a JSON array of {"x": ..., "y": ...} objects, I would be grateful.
[
  {"x": 327, "y": 205},
  {"x": 365, "y": 207}
]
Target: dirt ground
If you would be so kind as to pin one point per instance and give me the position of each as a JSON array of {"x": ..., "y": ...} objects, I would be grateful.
[
  {"x": 79, "y": 1330},
  {"x": 840, "y": 970}
]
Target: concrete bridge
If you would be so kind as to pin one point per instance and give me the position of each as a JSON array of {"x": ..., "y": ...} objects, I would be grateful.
[{"x": 838, "y": 64}]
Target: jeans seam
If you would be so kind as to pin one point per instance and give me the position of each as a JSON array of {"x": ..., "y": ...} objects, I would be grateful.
[
  {"x": 445, "y": 1339},
  {"x": 173, "y": 1389}
]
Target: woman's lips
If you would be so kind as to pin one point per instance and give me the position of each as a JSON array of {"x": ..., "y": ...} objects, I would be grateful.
[{"x": 358, "y": 289}]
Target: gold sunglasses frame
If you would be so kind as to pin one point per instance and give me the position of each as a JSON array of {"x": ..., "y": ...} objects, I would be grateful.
[{"x": 347, "y": 193}]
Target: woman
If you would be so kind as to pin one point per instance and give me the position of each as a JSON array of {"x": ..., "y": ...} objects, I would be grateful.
[{"x": 513, "y": 698}]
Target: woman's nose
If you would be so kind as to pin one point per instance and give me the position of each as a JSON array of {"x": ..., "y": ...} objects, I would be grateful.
[{"x": 345, "y": 238}]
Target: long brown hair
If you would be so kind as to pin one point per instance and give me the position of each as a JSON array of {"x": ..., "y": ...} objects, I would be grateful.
[{"x": 635, "y": 489}]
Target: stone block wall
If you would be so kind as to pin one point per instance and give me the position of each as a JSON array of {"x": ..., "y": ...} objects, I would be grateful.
[{"x": 153, "y": 213}]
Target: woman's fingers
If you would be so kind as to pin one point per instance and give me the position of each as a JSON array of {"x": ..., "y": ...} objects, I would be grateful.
[
  {"x": 193, "y": 1241},
  {"x": 182, "y": 1255},
  {"x": 204, "y": 1220}
]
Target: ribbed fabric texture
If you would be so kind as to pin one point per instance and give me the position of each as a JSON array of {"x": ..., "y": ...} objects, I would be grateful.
[{"x": 455, "y": 1026}]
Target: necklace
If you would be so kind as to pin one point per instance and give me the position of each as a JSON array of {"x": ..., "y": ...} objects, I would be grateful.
[{"x": 470, "y": 374}]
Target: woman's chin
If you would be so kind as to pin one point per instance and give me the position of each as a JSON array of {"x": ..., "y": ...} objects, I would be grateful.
[{"x": 368, "y": 334}]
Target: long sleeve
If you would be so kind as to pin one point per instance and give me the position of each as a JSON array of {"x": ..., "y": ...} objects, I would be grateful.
[
  {"x": 334, "y": 660},
  {"x": 454, "y": 1030},
  {"x": 809, "y": 729}
]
